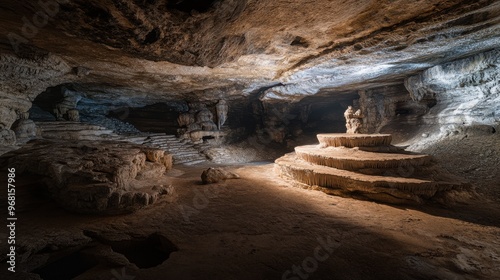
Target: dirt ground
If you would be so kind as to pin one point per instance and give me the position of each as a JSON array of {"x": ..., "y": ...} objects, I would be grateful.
[
  {"x": 468, "y": 155},
  {"x": 259, "y": 227}
]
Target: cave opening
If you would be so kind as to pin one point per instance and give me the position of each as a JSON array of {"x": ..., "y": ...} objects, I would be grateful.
[
  {"x": 325, "y": 114},
  {"x": 190, "y": 139},
  {"x": 157, "y": 118},
  {"x": 207, "y": 138}
]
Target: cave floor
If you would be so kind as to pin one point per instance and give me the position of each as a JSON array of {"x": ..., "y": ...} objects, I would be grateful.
[{"x": 259, "y": 227}]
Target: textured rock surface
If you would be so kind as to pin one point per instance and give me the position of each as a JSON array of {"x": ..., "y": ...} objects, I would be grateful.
[
  {"x": 299, "y": 48},
  {"x": 101, "y": 177},
  {"x": 465, "y": 91},
  {"x": 122, "y": 54},
  {"x": 24, "y": 129}
]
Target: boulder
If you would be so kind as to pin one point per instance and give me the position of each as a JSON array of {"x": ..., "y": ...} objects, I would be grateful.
[
  {"x": 216, "y": 175},
  {"x": 7, "y": 137},
  {"x": 24, "y": 129}
]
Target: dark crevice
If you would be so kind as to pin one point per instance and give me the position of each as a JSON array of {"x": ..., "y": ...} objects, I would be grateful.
[
  {"x": 299, "y": 41},
  {"x": 152, "y": 37},
  {"x": 187, "y": 6},
  {"x": 67, "y": 267},
  {"x": 144, "y": 252},
  {"x": 94, "y": 12}
]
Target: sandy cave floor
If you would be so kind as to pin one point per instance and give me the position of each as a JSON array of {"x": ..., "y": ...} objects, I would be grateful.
[{"x": 258, "y": 227}]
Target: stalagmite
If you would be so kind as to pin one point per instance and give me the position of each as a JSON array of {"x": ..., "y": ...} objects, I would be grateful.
[{"x": 222, "y": 110}]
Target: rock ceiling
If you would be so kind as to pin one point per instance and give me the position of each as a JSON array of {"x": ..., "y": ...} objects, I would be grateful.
[{"x": 142, "y": 51}]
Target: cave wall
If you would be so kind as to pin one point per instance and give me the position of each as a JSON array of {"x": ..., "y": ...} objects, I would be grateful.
[
  {"x": 133, "y": 54},
  {"x": 467, "y": 91},
  {"x": 22, "y": 78},
  {"x": 450, "y": 98},
  {"x": 391, "y": 109}
]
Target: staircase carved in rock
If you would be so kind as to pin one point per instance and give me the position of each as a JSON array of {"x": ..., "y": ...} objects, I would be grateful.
[
  {"x": 182, "y": 151},
  {"x": 366, "y": 166}
]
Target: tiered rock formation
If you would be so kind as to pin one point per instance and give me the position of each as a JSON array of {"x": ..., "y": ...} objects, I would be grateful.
[{"x": 366, "y": 166}]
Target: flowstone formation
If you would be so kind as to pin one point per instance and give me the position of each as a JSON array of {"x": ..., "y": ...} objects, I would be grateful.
[
  {"x": 366, "y": 166},
  {"x": 96, "y": 177}
]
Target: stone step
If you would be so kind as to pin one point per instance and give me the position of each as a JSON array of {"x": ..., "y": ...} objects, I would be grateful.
[
  {"x": 75, "y": 135},
  {"x": 173, "y": 145},
  {"x": 195, "y": 162},
  {"x": 188, "y": 153},
  {"x": 136, "y": 140},
  {"x": 185, "y": 160},
  {"x": 163, "y": 138},
  {"x": 354, "y": 140},
  {"x": 68, "y": 126},
  {"x": 182, "y": 150},
  {"x": 355, "y": 159},
  {"x": 293, "y": 167}
]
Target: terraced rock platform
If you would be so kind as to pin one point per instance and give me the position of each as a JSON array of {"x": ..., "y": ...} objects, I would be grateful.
[
  {"x": 354, "y": 140},
  {"x": 340, "y": 166}
]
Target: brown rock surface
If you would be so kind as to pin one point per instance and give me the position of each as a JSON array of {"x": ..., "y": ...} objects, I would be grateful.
[
  {"x": 102, "y": 177},
  {"x": 236, "y": 47}
]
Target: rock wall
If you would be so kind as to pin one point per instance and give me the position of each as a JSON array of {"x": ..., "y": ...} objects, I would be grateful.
[
  {"x": 467, "y": 91},
  {"x": 391, "y": 108},
  {"x": 22, "y": 78}
]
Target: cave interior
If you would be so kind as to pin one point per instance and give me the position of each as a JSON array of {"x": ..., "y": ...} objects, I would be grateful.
[{"x": 110, "y": 111}]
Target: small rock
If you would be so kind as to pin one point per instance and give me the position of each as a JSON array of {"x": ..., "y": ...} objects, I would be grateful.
[
  {"x": 425, "y": 135},
  {"x": 215, "y": 175}
]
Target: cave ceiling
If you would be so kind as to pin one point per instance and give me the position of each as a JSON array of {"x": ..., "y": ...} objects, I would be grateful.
[{"x": 143, "y": 51}]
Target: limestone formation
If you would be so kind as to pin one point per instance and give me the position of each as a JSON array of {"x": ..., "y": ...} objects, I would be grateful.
[
  {"x": 199, "y": 123},
  {"x": 464, "y": 91},
  {"x": 185, "y": 119},
  {"x": 204, "y": 115},
  {"x": 73, "y": 115},
  {"x": 354, "y": 120},
  {"x": 66, "y": 108},
  {"x": 222, "y": 110},
  {"x": 216, "y": 175},
  {"x": 343, "y": 168},
  {"x": 99, "y": 177},
  {"x": 21, "y": 130},
  {"x": 7, "y": 137},
  {"x": 25, "y": 129}
]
